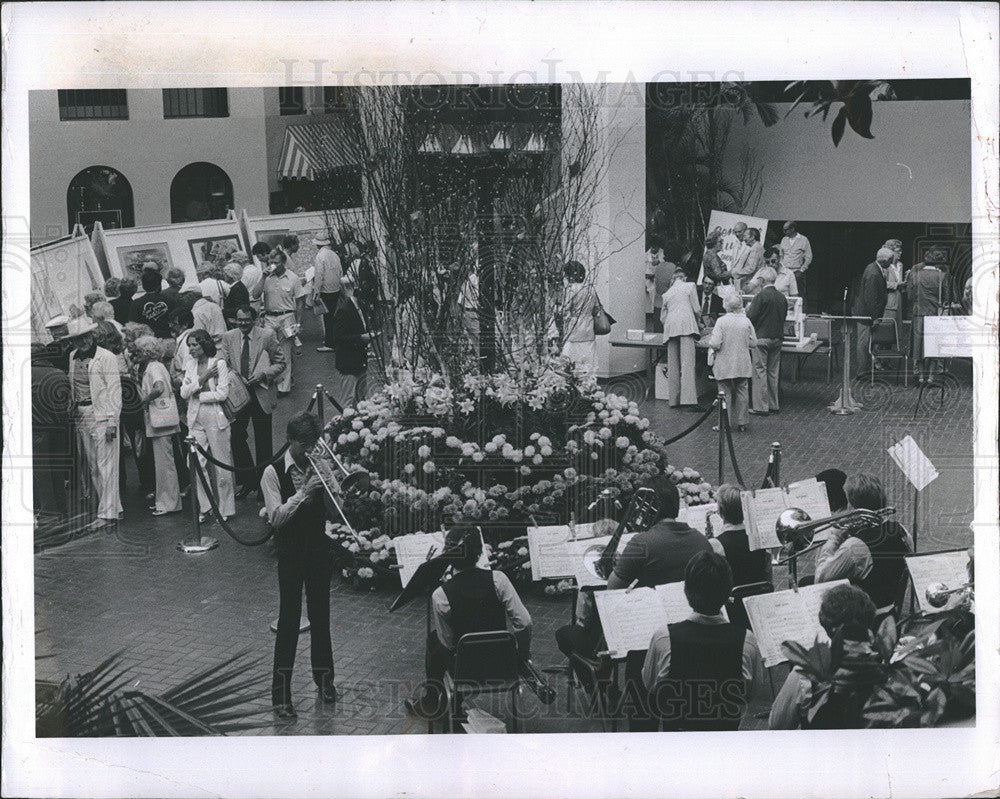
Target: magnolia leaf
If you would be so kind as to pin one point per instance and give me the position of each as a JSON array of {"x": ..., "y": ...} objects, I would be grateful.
[
  {"x": 887, "y": 637},
  {"x": 837, "y": 130},
  {"x": 859, "y": 114},
  {"x": 921, "y": 665}
]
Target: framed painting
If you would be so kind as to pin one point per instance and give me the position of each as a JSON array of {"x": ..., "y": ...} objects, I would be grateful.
[
  {"x": 272, "y": 237},
  {"x": 216, "y": 249},
  {"x": 132, "y": 258}
]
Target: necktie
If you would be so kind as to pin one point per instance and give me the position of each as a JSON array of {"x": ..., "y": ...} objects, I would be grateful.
[{"x": 245, "y": 357}]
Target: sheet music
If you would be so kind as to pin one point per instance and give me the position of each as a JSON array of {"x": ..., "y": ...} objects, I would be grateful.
[
  {"x": 412, "y": 549},
  {"x": 786, "y": 616},
  {"x": 810, "y": 495},
  {"x": 915, "y": 465},
  {"x": 950, "y": 568},
  {"x": 548, "y": 553},
  {"x": 675, "y": 604},
  {"x": 765, "y": 505},
  {"x": 585, "y": 554},
  {"x": 630, "y": 618},
  {"x": 697, "y": 516}
]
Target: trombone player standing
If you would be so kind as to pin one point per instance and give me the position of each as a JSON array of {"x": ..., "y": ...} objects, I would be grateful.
[{"x": 295, "y": 506}]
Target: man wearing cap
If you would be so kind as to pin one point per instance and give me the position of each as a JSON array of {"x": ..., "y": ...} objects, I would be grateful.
[
  {"x": 351, "y": 337},
  {"x": 95, "y": 379},
  {"x": 796, "y": 254},
  {"x": 326, "y": 285},
  {"x": 870, "y": 303}
]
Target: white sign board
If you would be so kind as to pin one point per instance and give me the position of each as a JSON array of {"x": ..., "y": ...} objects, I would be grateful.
[
  {"x": 915, "y": 465},
  {"x": 723, "y": 222},
  {"x": 954, "y": 337},
  {"x": 62, "y": 272}
]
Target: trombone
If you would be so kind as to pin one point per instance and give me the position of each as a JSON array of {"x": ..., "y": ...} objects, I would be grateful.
[{"x": 356, "y": 481}]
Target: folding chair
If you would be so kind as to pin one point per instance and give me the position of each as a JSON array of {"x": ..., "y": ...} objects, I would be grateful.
[
  {"x": 734, "y": 605},
  {"x": 485, "y": 663},
  {"x": 884, "y": 343}
]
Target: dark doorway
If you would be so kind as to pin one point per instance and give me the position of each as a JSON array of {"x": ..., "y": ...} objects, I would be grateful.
[
  {"x": 200, "y": 191},
  {"x": 99, "y": 193}
]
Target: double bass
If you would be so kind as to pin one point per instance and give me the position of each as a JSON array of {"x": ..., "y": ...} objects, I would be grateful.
[{"x": 640, "y": 513}]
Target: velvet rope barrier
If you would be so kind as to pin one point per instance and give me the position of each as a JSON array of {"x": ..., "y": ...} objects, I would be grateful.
[
  {"x": 732, "y": 449},
  {"x": 693, "y": 427},
  {"x": 205, "y": 484}
]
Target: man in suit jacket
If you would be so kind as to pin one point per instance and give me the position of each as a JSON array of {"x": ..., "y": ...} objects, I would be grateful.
[
  {"x": 253, "y": 352},
  {"x": 872, "y": 296},
  {"x": 350, "y": 346},
  {"x": 767, "y": 311}
]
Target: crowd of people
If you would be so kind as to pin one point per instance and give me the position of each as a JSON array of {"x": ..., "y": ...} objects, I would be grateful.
[
  {"x": 755, "y": 285},
  {"x": 147, "y": 363}
]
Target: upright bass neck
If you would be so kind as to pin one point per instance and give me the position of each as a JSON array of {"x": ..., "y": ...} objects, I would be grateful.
[{"x": 642, "y": 504}]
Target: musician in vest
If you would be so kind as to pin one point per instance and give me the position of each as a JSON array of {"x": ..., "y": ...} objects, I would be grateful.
[
  {"x": 872, "y": 558},
  {"x": 295, "y": 505},
  {"x": 700, "y": 672},
  {"x": 734, "y": 545},
  {"x": 474, "y": 600}
]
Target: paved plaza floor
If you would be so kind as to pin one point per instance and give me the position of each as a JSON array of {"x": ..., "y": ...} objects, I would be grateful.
[{"x": 174, "y": 614}]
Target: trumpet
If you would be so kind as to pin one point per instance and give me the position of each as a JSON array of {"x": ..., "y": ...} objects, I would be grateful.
[{"x": 795, "y": 529}]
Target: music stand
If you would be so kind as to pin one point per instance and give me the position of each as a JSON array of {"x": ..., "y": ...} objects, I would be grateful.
[{"x": 846, "y": 403}]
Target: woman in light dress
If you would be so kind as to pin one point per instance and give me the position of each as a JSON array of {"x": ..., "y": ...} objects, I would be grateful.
[
  {"x": 148, "y": 354},
  {"x": 732, "y": 342}
]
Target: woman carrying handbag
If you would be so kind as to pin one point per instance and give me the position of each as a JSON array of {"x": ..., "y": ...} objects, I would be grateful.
[
  {"x": 206, "y": 388},
  {"x": 584, "y": 319},
  {"x": 162, "y": 421}
]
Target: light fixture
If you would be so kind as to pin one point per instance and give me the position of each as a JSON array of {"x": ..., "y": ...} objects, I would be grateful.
[
  {"x": 535, "y": 144},
  {"x": 501, "y": 141},
  {"x": 431, "y": 145}
]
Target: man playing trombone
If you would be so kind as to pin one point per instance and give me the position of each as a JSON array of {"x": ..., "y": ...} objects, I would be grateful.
[{"x": 295, "y": 505}]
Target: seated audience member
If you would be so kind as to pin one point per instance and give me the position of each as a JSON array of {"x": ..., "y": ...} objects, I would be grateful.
[
  {"x": 175, "y": 280},
  {"x": 872, "y": 557},
  {"x": 658, "y": 555},
  {"x": 473, "y": 600},
  {"x": 127, "y": 288},
  {"x": 700, "y": 672},
  {"x": 208, "y": 316},
  {"x": 237, "y": 296},
  {"x": 834, "y": 480},
  {"x": 847, "y": 614},
  {"x": 732, "y": 543},
  {"x": 152, "y": 308}
]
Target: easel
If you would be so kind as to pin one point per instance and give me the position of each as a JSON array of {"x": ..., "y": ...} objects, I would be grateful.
[{"x": 846, "y": 404}]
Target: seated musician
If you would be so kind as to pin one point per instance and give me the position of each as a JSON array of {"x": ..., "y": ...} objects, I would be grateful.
[
  {"x": 872, "y": 557},
  {"x": 473, "y": 600},
  {"x": 658, "y": 555},
  {"x": 848, "y": 613},
  {"x": 732, "y": 543},
  {"x": 701, "y": 671}
]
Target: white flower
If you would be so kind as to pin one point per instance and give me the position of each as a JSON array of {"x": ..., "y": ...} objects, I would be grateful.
[
  {"x": 604, "y": 432},
  {"x": 536, "y": 460},
  {"x": 424, "y": 451},
  {"x": 409, "y": 468},
  {"x": 429, "y": 467},
  {"x": 546, "y": 451},
  {"x": 357, "y": 424},
  {"x": 366, "y": 573},
  {"x": 341, "y": 439},
  {"x": 622, "y": 442},
  {"x": 468, "y": 449},
  {"x": 478, "y": 457},
  {"x": 522, "y": 551},
  {"x": 453, "y": 441},
  {"x": 466, "y": 406}
]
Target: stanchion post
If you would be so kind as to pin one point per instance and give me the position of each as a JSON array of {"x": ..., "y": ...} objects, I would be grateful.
[
  {"x": 198, "y": 543},
  {"x": 320, "y": 412},
  {"x": 722, "y": 433},
  {"x": 776, "y": 460}
]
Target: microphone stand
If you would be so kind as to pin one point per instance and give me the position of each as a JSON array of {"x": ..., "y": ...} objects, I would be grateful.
[{"x": 845, "y": 403}]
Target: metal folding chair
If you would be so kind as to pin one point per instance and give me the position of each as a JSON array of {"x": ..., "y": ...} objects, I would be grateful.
[{"x": 485, "y": 663}]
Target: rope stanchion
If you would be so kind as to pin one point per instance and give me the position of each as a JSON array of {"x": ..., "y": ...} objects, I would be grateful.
[
  {"x": 333, "y": 401},
  {"x": 320, "y": 410},
  {"x": 240, "y": 469},
  {"x": 203, "y": 479},
  {"x": 199, "y": 543},
  {"x": 693, "y": 427},
  {"x": 732, "y": 452},
  {"x": 772, "y": 477},
  {"x": 722, "y": 432}
]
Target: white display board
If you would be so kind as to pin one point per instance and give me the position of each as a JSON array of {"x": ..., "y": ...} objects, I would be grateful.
[
  {"x": 724, "y": 222},
  {"x": 954, "y": 337},
  {"x": 185, "y": 246},
  {"x": 62, "y": 272}
]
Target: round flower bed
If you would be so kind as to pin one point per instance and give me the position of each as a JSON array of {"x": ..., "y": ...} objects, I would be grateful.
[{"x": 503, "y": 451}]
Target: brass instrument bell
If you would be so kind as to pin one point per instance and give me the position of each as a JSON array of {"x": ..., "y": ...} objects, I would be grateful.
[
  {"x": 791, "y": 528},
  {"x": 937, "y": 594}
]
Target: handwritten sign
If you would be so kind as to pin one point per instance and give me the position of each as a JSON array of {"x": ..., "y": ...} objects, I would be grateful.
[
  {"x": 949, "y": 568},
  {"x": 915, "y": 465},
  {"x": 786, "y": 616},
  {"x": 413, "y": 549}
]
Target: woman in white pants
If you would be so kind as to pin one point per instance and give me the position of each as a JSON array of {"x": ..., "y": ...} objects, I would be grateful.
[
  {"x": 681, "y": 311},
  {"x": 579, "y": 302},
  {"x": 205, "y": 387},
  {"x": 159, "y": 410}
]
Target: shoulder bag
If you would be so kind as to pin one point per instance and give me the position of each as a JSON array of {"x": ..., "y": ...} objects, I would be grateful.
[{"x": 602, "y": 319}]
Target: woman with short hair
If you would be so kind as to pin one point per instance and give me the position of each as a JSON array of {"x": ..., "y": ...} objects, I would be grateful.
[
  {"x": 579, "y": 302},
  {"x": 680, "y": 315},
  {"x": 205, "y": 387},
  {"x": 148, "y": 353},
  {"x": 733, "y": 340}
]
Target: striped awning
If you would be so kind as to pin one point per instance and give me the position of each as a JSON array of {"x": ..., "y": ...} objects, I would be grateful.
[{"x": 309, "y": 150}]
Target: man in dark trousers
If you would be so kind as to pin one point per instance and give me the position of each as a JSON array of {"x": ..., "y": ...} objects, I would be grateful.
[
  {"x": 873, "y": 293},
  {"x": 295, "y": 504},
  {"x": 350, "y": 339},
  {"x": 767, "y": 312},
  {"x": 474, "y": 600},
  {"x": 701, "y": 671},
  {"x": 253, "y": 352}
]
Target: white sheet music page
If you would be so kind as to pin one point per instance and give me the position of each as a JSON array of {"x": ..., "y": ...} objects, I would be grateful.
[
  {"x": 786, "y": 616},
  {"x": 810, "y": 495},
  {"x": 915, "y": 465},
  {"x": 412, "y": 550},
  {"x": 766, "y": 506},
  {"x": 697, "y": 516},
  {"x": 675, "y": 604},
  {"x": 585, "y": 555},
  {"x": 950, "y": 568},
  {"x": 630, "y": 618},
  {"x": 548, "y": 553}
]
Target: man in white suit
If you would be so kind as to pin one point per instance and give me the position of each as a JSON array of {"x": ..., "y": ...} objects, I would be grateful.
[{"x": 95, "y": 379}]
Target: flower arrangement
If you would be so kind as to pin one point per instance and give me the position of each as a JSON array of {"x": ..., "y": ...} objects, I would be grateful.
[{"x": 501, "y": 451}]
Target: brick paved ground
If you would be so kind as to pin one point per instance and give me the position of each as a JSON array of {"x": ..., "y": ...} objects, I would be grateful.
[{"x": 174, "y": 614}]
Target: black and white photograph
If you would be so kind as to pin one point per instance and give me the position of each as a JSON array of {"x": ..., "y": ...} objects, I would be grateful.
[{"x": 624, "y": 404}]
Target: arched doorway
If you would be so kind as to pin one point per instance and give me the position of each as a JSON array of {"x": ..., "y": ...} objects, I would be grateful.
[
  {"x": 100, "y": 194},
  {"x": 200, "y": 191}
]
